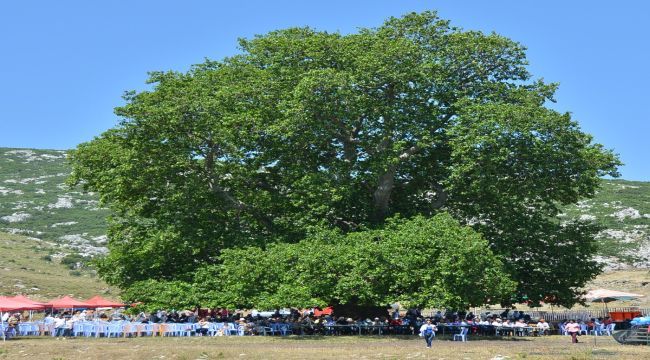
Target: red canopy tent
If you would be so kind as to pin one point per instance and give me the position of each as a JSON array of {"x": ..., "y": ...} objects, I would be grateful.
[
  {"x": 31, "y": 304},
  {"x": 67, "y": 302},
  {"x": 98, "y": 301},
  {"x": 7, "y": 304},
  {"x": 23, "y": 298}
]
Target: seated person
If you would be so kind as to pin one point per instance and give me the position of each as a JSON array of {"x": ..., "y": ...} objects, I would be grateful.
[
  {"x": 520, "y": 327},
  {"x": 203, "y": 328},
  {"x": 543, "y": 327},
  {"x": 507, "y": 328},
  {"x": 519, "y": 323}
]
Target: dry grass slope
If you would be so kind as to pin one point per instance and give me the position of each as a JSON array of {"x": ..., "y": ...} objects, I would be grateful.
[
  {"x": 234, "y": 347},
  {"x": 25, "y": 269},
  {"x": 634, "y": 281}
]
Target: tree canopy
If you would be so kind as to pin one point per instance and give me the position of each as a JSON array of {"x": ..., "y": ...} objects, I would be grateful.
[{"x": 306, "y": 131}]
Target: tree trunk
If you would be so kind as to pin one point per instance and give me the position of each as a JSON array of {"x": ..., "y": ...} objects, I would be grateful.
[
  {"x": 382, "y": 194},
  {"x": 357, "y": 311}
]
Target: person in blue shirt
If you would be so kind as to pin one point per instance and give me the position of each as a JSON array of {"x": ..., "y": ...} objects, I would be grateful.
[{"x": 428, "y": 332}]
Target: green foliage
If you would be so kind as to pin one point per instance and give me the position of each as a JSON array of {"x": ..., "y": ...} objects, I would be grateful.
[
  {"x": 422, "y": 261},
  {"x": 156, "y": 295},
  {"x": 75, "y": 261},
  {"x": 306, "y": 130}
]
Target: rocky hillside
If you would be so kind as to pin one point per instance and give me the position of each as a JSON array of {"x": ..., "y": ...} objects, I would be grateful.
[
  {"x": 622, "y": 208},
  {"x": 34, "y": 201}
]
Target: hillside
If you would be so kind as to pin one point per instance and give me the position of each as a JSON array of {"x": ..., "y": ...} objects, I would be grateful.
[
  {"x": 35, "y": 267},
  {"x": 34, "y": 201},
  {"x": 622, "y": 208}
]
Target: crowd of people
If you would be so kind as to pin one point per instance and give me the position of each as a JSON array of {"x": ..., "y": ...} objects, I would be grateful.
[{"x": 315, "y": 322}]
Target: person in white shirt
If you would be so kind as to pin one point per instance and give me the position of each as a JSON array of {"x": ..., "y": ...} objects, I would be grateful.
[
  {"x": 69, "y": 324},
  {"x": 543, "y": 327},
  {"x": 507, "y": 328},
  {"x": 520, "y": 327},
  {"x": 428, "y": 332},
  {"x": 59, "y": 326}
]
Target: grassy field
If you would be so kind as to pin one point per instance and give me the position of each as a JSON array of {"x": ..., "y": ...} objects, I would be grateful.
[
  {"x": 30, "y": 266},
  {"x": 233, "y": 347}
]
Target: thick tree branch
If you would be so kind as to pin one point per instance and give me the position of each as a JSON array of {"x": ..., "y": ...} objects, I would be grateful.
[{"x": 225, "y": 195}]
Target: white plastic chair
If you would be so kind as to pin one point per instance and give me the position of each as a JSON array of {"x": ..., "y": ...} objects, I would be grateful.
[
  {"x": 132, "y": 328},
  {"x": 147, "y": 329},
  {"x": 28, "y": 328},
  {"x": 609, "y": 329},
  {"x": 233, "y": 329},
  {"x": 241, "y": 330},
  {"x": 462, "y": 335},
  {"x": 78, "y": 328},
  {"x": 598, "y": 330},
  {"x": 89, "y": 328},
  {"x": 115, "y": 329},
  {"x": 583, "y": 329},
  {"x": 286, "y": 329}
]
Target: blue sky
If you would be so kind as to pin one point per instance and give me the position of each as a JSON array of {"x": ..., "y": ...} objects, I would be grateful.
[{"x": 65, "y": 64}]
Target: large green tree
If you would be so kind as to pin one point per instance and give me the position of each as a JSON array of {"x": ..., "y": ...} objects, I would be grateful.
[
  {"x": 432, "y": 262},
  {"x": 306, "y": 129}
]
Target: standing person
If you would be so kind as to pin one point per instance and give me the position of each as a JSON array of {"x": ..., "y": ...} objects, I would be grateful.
[
  {"x": 573, "y": 328},
  {"x": 12, "y": 325},
  {"x": 59, "y": 326},
  {"x": 428, "y": 331}
]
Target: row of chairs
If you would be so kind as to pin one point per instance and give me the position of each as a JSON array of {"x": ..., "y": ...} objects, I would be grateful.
[
  {"x": 126, "y": 328},
  {"x": 600, "y": 330}
]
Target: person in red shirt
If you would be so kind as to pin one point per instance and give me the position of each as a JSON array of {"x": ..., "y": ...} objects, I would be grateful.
[{"x": 607, "y": 321}]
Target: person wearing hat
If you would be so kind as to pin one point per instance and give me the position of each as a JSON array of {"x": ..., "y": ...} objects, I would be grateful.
[
  {"x": 12, "y": 325},
  {"x": 428, "y": 332},
  {"x": 242, "y": 327}
]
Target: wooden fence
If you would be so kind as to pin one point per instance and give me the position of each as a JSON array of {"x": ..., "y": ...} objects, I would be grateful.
[{"x": 559, "y": 315}]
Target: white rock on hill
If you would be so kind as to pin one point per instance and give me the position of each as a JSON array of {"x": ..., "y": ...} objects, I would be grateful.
[
  {"x": 16, "y": 217},
  {"x": 626, "y": 213},
  {"x": 63, "y": 202}
]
